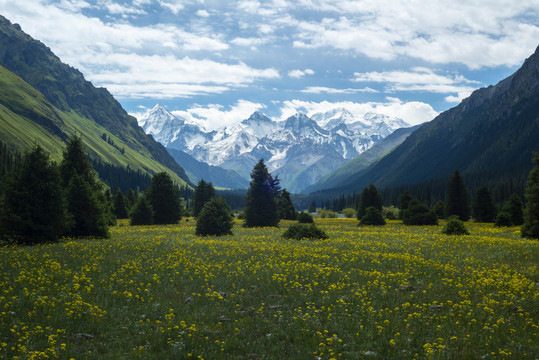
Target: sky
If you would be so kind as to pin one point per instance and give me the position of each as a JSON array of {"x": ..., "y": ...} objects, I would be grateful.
[{"x": 217, "y": 61}]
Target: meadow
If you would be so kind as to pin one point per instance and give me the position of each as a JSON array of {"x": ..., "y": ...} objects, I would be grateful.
[{"x": 160, "y": 292}]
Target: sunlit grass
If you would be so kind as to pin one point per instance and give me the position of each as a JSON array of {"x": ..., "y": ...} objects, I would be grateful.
[{"x": 368, "y": 292}]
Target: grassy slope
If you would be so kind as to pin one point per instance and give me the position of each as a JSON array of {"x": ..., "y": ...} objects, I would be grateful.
[
  {"x": 26, "y": 117},
  {"x": 161, "y": 292}
]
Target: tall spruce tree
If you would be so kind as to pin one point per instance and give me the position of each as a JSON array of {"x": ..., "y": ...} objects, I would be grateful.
[
  {"x": 141, "y": 212},
  {"x": 34, "y": 208},
  {"x": 530, "y": 228},
  {"x": 456, "y": 198},
  {"x": 204, "y": 192},
  {"x": 403, "y": 202},
  {"x": 514, "y": 207},
  {"x": 483, "y": 206},
  {"x": 261, "y": 204},
  {"x": 119, "y": 203},
  {"x": 86, "y": 203},
  {"x": 370, "y": 196},
  {"x": 165, "y": 199},
  {"x": 285, "y": 207}
]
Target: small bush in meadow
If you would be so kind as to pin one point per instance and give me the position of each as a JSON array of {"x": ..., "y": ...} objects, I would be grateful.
[
  {"x": 455, "y": 226},
  {"x": 349, "y": 213},
  {"x": 305, "y": 218},
  {"x": 503, "y": 219},
  {"x": 214, "y": 218},
  {"x": 373, "y": 216},
  {"x": 304, "y": 231}
]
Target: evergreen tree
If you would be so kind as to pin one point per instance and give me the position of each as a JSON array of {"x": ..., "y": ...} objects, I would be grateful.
[
  {"x": 483, "y": 206},
  {"x": 530, "y": 228},
  {"x": 514, "y": 208},
  {"x": 373, "y": 216},
  {"x": 142, "y": 212},
  {"x": 204, "y": 192},
  {"x": 86, "y": 203},
  {"x": 403, "y": 202},
  {"x": 438, "y": 209},
  {"x": 312, "y": 207},
  {"x": 214, "y": 218},
  {"x": 132, "y": 197},
  {"x": 261, "y": 204},
  {"x": 285, "y": 206},
  {"x": 165, "y": 200},
  {"x": 119, "y": 202},
  {"x": 456, "y": 198},
  {"x": 418, "y": 213},
  {"x": 34, "y": 207},
  {"x": 370, "y": 196}
]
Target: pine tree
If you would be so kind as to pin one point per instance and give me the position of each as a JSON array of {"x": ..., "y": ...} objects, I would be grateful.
[
  {"x": 483, "y": 206},
  {"x": 132, "y": 197},
  {"x": 530, "y": 228},
  {"x": 214, "y": 219},
  {"x": 34, "y": 207},
  {"x": 204, "y": 192},
  {"x": 86, "y": 203},
  {"x": 514, "y": 208},
  {"x": 373, "y": 216},
  {"x": 119, "y": 202},
  {"x": 456, "y": 198},
  {"x": 285, "y": 206},
  {"x": 370, "y": 196},
  {"x": 438, "y": 209},
  {"x": 261, "y": 204},
  {"x": 403, "y": 202},
  {"x": 418, "y": 213},
  {"x": 165, "y": 200},
  {"x": 142, "y": 212}
]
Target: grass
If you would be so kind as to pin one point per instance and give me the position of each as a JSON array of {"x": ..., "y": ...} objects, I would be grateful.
[{"x": 161, "y": 292}]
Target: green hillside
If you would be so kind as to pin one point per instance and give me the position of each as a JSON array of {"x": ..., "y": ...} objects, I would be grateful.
[{"x": 44, "y": 100}]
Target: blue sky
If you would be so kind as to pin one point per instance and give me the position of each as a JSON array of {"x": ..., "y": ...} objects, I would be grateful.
[{"x": 216, "y": 62}]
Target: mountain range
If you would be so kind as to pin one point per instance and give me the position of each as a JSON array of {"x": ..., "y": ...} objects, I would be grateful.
[
  {"x": 490, "y": 137},
  {"x": 46, "y": 101},
  {"x": 299, "y": 149}
]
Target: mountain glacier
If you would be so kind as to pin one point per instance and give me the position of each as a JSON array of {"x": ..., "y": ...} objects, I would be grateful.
[{"x": 299, "y": 149}]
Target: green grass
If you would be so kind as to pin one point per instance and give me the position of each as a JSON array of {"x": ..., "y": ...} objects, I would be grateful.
[{"x": 161, "y": 292}]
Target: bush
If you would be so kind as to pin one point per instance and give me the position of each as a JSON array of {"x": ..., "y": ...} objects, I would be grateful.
[
  {"x": 390, "y": 212},
  {"x": 214, "y": 219},
  {"x": 455, "y": 226},
  {"x": 373, "y": 216},
  {"x": 305, "y": 218},
  {"x": 418, "y": 213},
  {"x": 503, "y": 219},
  {"x": 304, "y": 231},
  {"x": 349, "y": 213}
]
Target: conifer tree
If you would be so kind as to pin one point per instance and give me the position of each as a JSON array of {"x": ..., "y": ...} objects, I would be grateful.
[
  {"x": 285, "y": 206},
  {"x": 456, "y": 198},
  {"x": 142, "y": 212},
  {"x": 514, "y": 208},
  {"x": 373, "y": 216},
  {"x": 165, "y": 200},
  {"x": 530, "y": 228},
  {"x": 214, "y": 219},
  {"x": 438, "y": 209},
  {"x": 119, "y": 202},
  {"x": 370, "y": 196},
  {"x": 34, "y": 207},
  {"x": 204, "y": 192},
  {"x": 418, "y": 213},
  {"x": 261, "y": 204},
  {"x": 483, "y": 206},
  {"x": 86, "y": 203},
  {"x": 403, "y": 202},
  {"x": 132, "y": 197}
]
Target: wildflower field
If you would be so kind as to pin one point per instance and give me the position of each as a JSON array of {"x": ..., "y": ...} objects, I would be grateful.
[{"x": 160, "y": 292}]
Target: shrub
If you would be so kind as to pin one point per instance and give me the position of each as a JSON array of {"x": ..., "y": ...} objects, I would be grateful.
[
  {"x": 373, "y": 216},
  {"x": 142, "y": 212},
  {"x": 390, "y": 212},
  {"x": 214, "y": 218},
  {"x": 304, "y": 231},
  {"x": 455, "y": 226},
  {"x": 503, "y": 219},
  {"x": 418, "y": 213},
  {"x": 349, "y": 213},
  {"x": 305, "y": 218}
]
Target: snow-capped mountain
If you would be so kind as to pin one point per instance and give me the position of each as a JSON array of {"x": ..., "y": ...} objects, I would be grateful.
[{"x": 300, "y": 149}]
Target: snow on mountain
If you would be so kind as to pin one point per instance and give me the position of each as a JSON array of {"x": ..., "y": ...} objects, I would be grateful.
[{"x": 299, "y": 146}]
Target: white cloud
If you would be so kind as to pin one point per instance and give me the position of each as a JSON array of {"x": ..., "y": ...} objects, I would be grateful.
[
  {"x": 215, "y": 116},
  {"x": 421, "y": 79},
  {"x": 203, "y": 13},
  {"x": 413, "y": 112},
  {"x": 327, "y": 90},
  {"x": 300, "y": 73}
]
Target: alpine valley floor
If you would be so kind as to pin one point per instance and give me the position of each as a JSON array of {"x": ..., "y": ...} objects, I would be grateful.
[{"x": 159, "y": 292}]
